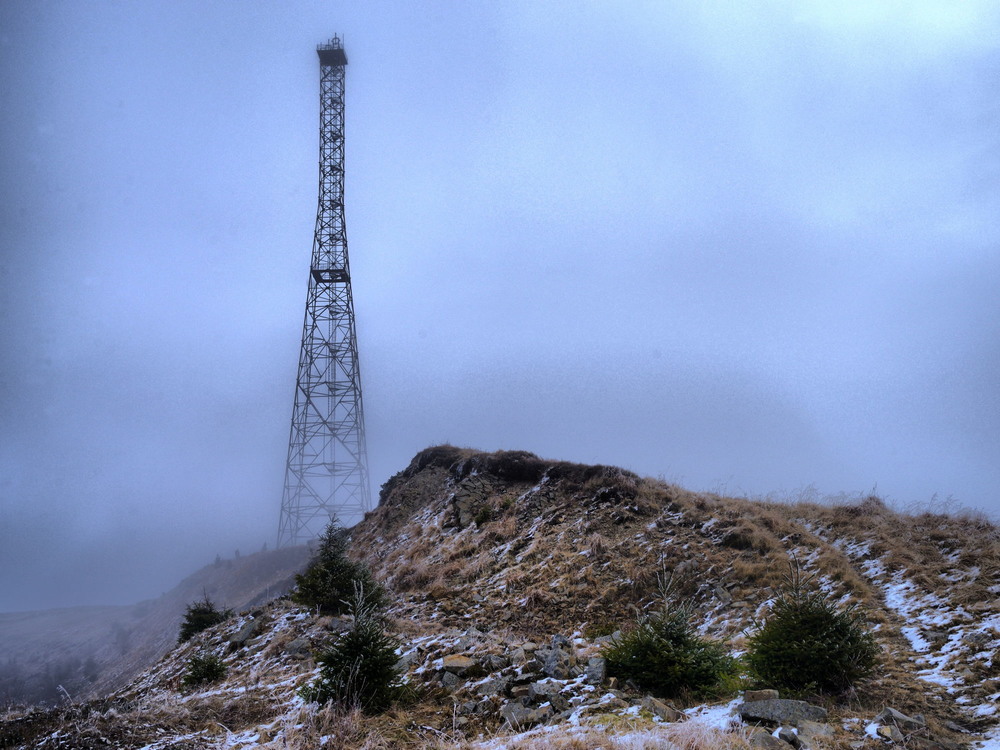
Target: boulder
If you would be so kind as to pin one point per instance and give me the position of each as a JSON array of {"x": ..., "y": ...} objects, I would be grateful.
[
  {"x": 249, "y": 630},
  {"x": 780, "y": 711},
  {"x": 298, "y": 648},
  {"x": 763, "y": 739},
  {"x": 890, "y": 732},
  {"x": 750, "y": 696},
  {"x": 901, "y": 720},
  {"x": 809, "y": 731},
  {"x": 788, "y": 735},
  {"x": 661, "y": 710},
  {"x": 522, "y": 717},
  {"x": 554, "y": 662},
  {"x": 494, "y": 662},
  {"x": 461, "y": 665},
  {"x": 494, "y": 686},
  {"x": 597, "y": 670}
]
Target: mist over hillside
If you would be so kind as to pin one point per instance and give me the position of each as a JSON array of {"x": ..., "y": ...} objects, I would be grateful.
[{"x": 48, "y": 656}]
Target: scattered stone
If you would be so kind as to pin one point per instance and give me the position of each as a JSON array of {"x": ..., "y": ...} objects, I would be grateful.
[
  {"x": 520, "y": 692},
  {"x": 597, "y": 670},
  {"x": 461, "y": 665},
  {"x": 901, "y": 720},
  {"x": 662, "y": 710},
  {"x": 766, "y": 741},
  {"x": 751, "y": 696},
  {"x": 547, "y": 692},
  {"x": 494, "y": 686},
  {"x": 788, "y": 735},
  {"x": 890, "y": 732},
  {"x": 450, "y": 680},
  {"x": 298, "y": 649},
  {"x": 522, "y": 717},
  {"x": 494, "y": 662},
  {"x": 244, "y": 634},
  {"x": 611, "y": 702},
  {"x": 810, "y": 730},
  {"x": 724, "y": 596},
  {"x": 781, "y": 711},
  {"x": 554, "y": 662}
]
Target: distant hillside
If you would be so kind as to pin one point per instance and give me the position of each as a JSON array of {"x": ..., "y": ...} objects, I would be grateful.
[
  {"x": 86, "y": 652},
  {"x": 508, "y": 571}
]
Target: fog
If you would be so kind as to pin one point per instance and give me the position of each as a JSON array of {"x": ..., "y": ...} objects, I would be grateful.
[{"x": 749, "y": 248}]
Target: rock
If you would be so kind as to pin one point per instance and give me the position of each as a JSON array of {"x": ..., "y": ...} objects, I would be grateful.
[
  {"x": 810, "y": 730},
  {"x": 606, "y": 640},
  {"x": 520, "y": 692},
  {"x": 611, "y": 702},
  {"x": 543, "y": 689},
  {"x": 494, "y": 662},
  {"x": 724, "y": 596},
  {"x": 547, "y": 692},
  {"x": 781, "y": 711},
  {"x": 901, "y": 720},
  {"x": 890, "y": 732},
  {"x": 485, "y": 707},
  {"x": 522, "y": 717},
  {"x": 554, "y": 662},
  {"x": 463, "y": 666},
  {"x": 529, "y": 647},
  {"x": 788, "y": 735},
  {"x": 298, "y": 649},
  {"x": 406, "y": 661},
  {"x": 494, "y": 686},
  {"x": 597, "y": 670},
  {"x": 249, "y": 630},
  {"x": 450, "y": 680},
  {"x": 935, "y": 637},
  {"x": 660, "y": 709},
  {"x": 750, "y": 696},
  {"x": 763, "y": 739}
]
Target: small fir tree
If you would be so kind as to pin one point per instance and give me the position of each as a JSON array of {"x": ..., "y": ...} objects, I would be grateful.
[
  {"x": 328, "y": 582},
  {"x": 204, "y": 668},
  {"x": 360, "y": 669},
  {"x": 200, "y": 616},
  {"x": 808, "y": 645},
  {"x": 664, "y": 655}
]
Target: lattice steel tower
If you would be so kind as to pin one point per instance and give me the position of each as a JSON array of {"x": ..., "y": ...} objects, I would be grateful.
[{"x": 327, "y": 468}]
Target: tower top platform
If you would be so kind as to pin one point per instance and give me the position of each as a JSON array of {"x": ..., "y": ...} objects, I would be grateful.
[{"x": 332, "y": 53}]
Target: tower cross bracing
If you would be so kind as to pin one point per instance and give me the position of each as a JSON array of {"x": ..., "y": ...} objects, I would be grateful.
[{"x": 326, "y": 473}]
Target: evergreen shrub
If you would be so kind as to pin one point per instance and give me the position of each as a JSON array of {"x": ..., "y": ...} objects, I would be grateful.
[
  {"x": 360, "y": 668},
  {"x": 201, "y": 616},
  {"x": 807, "y": 645},
  {"x": 204, "y": 668},
  {"x": 329, "y": 580},
  {"x": 664, "y": 655}
]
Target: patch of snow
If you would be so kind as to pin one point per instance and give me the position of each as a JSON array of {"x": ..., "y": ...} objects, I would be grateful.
[{"x": 718, "y": 716}]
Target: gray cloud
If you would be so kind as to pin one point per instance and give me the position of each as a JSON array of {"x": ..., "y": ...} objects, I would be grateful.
[{"x": 746, "y": 248}]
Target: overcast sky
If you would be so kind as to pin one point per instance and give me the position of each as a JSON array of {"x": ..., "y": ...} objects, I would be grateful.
[{"x": 749, "y": 247}]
